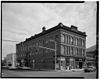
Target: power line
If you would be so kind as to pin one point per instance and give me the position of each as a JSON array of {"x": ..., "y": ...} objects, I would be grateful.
[
  {"x": 17, "y": 32},
  {"x": 10, "y": 40}
]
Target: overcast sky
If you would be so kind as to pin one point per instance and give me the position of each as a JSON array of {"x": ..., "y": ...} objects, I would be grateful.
[{"x": 22, "y": 20}]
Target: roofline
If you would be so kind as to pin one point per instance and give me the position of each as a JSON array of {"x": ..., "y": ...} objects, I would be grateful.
[
  {"x": 53, "y": 29},
  {"x": 78, "y": 32}
]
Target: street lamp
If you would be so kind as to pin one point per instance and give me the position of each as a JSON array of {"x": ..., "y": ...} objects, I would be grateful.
[
  {"x": 33, "y": 63},
  {"x": 55, "y": 51}
]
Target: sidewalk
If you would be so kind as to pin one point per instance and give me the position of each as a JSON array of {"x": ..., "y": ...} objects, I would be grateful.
[
  {"x": 72, "y": 70},
  {"x": 77, "y": 70}
]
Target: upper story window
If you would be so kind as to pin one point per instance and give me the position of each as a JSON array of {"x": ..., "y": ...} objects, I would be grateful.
[
  {"x": 62, "y": 38},
  {"x": 74, "y": 51},
  {"x": 62, "y": 49},
  {"x": 66, "y": 50},
  {"x": 80, "y": 52},
  {"x": 78, "y": 42},
  {"x": 66, "y": 39},
  {"x": 83, "y": 52},
  {"x": 71, "y": 50},
  {"x": 77, "y": 51},
  {"x": 71, "y": 40},
  {"x": 83, "y": 43},
  {"x": 75, "y": 41}
]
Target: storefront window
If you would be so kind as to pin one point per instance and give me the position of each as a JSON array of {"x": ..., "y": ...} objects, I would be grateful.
[{"x": 67, "y": 63}]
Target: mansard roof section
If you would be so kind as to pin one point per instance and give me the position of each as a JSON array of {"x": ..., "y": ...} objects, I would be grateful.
[{"x": 60, "y": 25}]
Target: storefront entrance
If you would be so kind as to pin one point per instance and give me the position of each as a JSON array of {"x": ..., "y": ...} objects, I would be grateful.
[
  {"x": 70, "y": 63},
  {"x": 63, "y": 64},
  {"x": 66, "y": 63},
  {"x": 80, "y": 65}
]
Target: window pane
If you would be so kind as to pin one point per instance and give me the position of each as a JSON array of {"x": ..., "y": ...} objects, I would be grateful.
[
  {"x": 66, "y": 39},
  {"x": 71, "y": 40},
  {"x": 66, "y": 50},
  {"x": 62, "y": 49},
  {"x": 62, "y": 38}
]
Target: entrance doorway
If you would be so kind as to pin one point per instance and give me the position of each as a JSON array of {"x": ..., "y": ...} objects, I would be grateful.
[
  {"x": 9, "y": 64},
  {"x": 80, "y": 65},
  {"x": 67, "y": 63}
]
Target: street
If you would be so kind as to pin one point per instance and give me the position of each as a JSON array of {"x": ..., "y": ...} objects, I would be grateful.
[{"x": 19, "y": 73}]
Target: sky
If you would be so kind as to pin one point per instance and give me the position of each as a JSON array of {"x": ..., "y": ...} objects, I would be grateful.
[{"x": 22, "y": 20}]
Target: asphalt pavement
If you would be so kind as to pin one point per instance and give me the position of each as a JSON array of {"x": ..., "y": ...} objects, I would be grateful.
[{"x": 58, "y": 74}]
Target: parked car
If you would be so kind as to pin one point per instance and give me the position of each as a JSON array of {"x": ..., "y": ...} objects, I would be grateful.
[
  {"x": 25, "y": 68},
  {"x": 4, "y": 67},
  {"x": 12, "y": 68},
  {"x": 90, "y": 69}
]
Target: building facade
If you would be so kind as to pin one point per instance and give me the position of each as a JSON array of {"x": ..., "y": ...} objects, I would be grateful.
[
  {"x": 10, "y": 60},
  {"x": 60, "y": 47}
]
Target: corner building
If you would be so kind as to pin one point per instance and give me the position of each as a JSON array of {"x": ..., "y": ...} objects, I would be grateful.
[{"x": 60, "y": 48}]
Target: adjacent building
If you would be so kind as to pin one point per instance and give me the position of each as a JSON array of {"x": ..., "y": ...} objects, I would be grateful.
[
  {"x": 91, "y": 56},
  {"x": 10, "y": 60},
  {"x": 59, "y": 47}
]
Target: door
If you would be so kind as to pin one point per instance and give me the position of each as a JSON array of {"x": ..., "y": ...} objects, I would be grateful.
[
  {"x": 80, "y": 65},
  {"x": 63, "y": 65}
]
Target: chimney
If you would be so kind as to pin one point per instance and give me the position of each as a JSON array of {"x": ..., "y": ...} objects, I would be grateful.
[
  {"x": 84, "y": 33},
  {"x": 73, "y": 28},
  {"x": 60, "y": 24},
  {"x": 43, "y": 29}
]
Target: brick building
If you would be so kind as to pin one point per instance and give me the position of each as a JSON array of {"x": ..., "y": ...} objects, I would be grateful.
[{"x": 60, "y": 47}]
